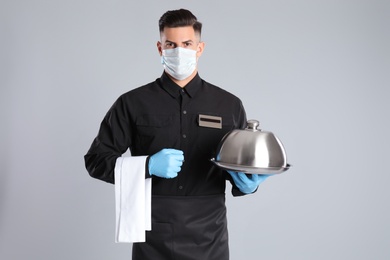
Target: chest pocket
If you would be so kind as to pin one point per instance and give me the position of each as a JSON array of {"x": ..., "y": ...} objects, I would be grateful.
[
  {"x": 150, "y": 124},
  {"x": 154, "y": 132},
  {"x": 207, "y": 138}
]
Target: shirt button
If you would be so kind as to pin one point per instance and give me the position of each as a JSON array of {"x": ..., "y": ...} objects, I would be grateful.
[
  {"x": 184, "y": 112},
  {"x": 184, "y": 136},
  {"x": 180, "y": 187}
]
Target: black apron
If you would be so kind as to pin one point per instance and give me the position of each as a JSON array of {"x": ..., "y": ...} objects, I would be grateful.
[{"x": 186, "y": 228}]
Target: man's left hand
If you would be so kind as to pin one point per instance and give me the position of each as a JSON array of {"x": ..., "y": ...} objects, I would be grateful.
[{"x": 247, "y": 183}]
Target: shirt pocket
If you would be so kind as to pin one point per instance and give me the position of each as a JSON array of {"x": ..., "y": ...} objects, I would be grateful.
[
  {"x": 149, "y": 124},
  {"x": 154, "y": 132}
]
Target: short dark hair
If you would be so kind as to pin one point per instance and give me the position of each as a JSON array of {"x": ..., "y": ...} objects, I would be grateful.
[{"x": 179, "y": 18}]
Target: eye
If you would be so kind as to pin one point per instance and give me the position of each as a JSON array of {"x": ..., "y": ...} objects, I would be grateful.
[{"x": 169, "y": 45}]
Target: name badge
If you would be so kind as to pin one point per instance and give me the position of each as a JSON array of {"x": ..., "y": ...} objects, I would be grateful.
[{"x": 210, "y": 121}]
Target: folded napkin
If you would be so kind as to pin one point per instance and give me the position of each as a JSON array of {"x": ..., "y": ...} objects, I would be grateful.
[{"x": 132, "y": 199}]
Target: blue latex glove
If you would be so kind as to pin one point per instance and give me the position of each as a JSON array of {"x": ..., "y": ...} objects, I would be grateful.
[
  {"x": 247, "y": 184},
  {"x": 166, "y": 163}
]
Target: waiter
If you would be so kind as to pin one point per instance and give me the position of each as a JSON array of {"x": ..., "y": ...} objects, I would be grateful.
[{"x": 177, "y": 121}]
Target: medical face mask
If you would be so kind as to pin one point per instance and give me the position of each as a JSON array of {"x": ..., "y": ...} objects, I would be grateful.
[{"x": 180, "y": 62}]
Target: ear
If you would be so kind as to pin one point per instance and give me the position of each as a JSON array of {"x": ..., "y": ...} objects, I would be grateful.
[
  {"x": 159, "y": 48},
  {"x": 200, "y": 49}
]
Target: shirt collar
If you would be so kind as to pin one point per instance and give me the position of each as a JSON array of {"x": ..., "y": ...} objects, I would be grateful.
[{"x": 174, "y": 90}]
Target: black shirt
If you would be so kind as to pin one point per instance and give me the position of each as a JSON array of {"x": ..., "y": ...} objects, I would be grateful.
[{"x": 161, "y": 115}]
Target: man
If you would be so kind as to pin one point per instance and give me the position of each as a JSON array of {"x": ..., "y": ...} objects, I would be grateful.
[{"x": 166, "y": 120}]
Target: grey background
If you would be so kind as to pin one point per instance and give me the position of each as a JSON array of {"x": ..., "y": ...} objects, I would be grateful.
[{"x": 316, "y": 73}]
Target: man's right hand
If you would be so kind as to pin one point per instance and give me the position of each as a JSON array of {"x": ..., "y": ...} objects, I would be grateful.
[{"x": 166, "y": 163}]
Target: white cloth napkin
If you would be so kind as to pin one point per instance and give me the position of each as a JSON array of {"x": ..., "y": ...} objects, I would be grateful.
[{"x": 132, "y": 199}]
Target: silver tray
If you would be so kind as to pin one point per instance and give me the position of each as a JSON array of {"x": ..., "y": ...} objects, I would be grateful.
[{"x": 251, "y": 169}]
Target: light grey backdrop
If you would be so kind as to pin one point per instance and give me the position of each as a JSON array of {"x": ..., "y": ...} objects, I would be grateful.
[{"x": 316, "y": 73}]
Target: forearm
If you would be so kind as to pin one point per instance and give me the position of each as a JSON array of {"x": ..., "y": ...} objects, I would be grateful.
[{"x": 101, "y": 165}]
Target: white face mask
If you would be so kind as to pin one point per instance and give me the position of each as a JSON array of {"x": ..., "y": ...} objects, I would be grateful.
[{"x": 180, "y": 62}]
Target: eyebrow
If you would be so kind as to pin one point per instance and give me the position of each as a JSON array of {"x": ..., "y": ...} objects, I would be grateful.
[{"x": 188, "y": 41}]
